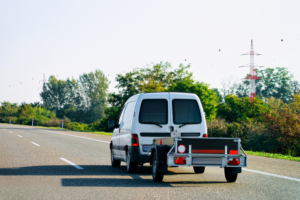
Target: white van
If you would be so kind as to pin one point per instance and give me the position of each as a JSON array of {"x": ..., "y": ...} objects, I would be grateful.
[{"x": 153, "y": 115}]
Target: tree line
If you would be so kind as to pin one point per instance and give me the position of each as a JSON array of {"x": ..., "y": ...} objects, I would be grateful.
[{"x": 269, "y": 123}]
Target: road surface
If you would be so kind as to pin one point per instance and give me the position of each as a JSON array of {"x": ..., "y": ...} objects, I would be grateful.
[{"x": 40, "y": 163}]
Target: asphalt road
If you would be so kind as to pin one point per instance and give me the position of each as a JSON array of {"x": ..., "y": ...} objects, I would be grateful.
[{"x": 40, "y": 163}]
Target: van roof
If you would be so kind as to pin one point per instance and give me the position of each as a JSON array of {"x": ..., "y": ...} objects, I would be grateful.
[{"x": 173, "y": 94}]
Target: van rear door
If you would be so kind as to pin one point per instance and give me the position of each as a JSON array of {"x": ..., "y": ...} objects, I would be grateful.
[
  {"x": 187, "y": 116},
  {"x": 153, "y": 119}
]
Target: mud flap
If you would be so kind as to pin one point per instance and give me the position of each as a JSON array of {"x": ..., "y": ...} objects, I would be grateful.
[
  {"x": 161, "y": 155},
  {"x": 235, "y": 170}
]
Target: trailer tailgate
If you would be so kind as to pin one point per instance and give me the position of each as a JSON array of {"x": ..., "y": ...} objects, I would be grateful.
[{"x": 229, "y": 146}]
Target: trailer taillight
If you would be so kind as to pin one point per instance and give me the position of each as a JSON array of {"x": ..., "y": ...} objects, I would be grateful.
[
  {"x": 204, "y": 135},
  {"x": 180, "y": 160},
  {"x": 134, "y": 140},
  {"x": 233, "y": 161}
]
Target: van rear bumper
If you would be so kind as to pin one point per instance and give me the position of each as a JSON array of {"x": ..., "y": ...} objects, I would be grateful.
[{"x": 135, "y": 155}]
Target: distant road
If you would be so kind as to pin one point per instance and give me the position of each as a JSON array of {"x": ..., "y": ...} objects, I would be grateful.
[{"x": 40, "y": 163}]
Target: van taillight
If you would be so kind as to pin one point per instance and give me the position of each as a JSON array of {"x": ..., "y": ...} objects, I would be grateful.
[
  {"x": 134, "y": 140},
  {"x": 204, "y": 135}
]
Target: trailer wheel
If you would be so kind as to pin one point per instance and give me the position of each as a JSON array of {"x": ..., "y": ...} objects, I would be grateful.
[
  {"x": 230, "y": 177},
  {"x": 132, "y": 167},
  {"x": 157, "y": 176},
  {"x": 114, "y": 163},
  {"x": 199, "y": 170}
]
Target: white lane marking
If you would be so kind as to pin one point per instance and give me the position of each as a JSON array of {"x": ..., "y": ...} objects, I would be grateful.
[
  {"x": 79, "y": 137},
  {"x": 275, "y": 175},
  {"x": 20, "y": 135},
  {"x": 35, "y": 144},
  {"x": 73, "y": 164},
  {"x": 4, "y": 129},
  {"x": 10, "y": 131}
]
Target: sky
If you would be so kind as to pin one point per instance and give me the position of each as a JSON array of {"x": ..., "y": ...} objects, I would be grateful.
[{"x": 69, "y": 38}]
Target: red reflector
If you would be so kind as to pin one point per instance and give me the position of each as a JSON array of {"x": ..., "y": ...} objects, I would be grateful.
[
  {"x": 234, "y": 161},
  {"x": 134, "y": 140},
  {"x": 235, "y": 152},
  {"x": 204, "y": 135},
  {"x": 209, "y": 151},
  {"x": 180, "y": 160}
]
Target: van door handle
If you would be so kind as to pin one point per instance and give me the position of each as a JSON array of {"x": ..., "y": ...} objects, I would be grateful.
[{"x": 172, "y": 128}]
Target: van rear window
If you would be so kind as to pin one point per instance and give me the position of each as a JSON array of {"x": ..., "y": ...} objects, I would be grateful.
[
  {"x": 154, "y": 110},
  {"x": 186, "y": 111}
]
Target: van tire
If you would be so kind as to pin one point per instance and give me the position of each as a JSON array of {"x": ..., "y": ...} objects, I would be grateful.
[
  {"x": 230, "y": 177},
  {"x": 132, "y": 167},
  {"x": 199, "y": 170},
  {"x": 114, "y": 163},
  {"x": 157, "y": 176}
]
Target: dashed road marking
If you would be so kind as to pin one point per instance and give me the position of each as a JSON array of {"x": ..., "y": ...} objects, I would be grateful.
[
  {"x": 73, "y": 164},
  {"x": 10, "y": 131},
  {"x": 269, "y": 174},
  {"x": 35, "y": 144},
  {"x": 79, "y": 137},
  {"x": 20, "y": 135}
]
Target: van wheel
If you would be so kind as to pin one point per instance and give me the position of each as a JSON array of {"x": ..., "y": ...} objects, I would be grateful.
[
  {"x": 131, "y": 166},
  {"x": 230, "y": 177},
  {"x": 157, "y": 176},
  {"x": 114, "y": 163},
  {"x": 199, "y": 170}
]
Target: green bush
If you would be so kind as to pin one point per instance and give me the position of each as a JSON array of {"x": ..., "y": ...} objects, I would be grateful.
[
  {"x": 39, "y": 119},
  {"x": 102, "y": 124},
  {"x": 76, "y": 126},
  {"x": 54, "y": 122},
  {"x": 254, "y": 135}
]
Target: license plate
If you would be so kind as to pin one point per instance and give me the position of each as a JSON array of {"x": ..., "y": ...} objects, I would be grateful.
[
  {"x": 207, "y": 161},
  {"x": 175, "y": 134}
]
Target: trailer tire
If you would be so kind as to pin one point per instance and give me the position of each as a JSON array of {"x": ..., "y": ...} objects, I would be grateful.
[
  {"x": 132, "y": 167},
  {"x": 157, "y": 176},
  {"x": 230, "y": 177},
  {"x": 114, "y": 163},
  {"x": 199, "y": 170}
]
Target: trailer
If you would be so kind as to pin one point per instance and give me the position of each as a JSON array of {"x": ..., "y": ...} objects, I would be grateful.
[{"x": 199, "y": 153}]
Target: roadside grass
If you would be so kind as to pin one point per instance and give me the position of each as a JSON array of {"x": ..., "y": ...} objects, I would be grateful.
[
  {"x": 273, "y": 155},
  {"x": 49, "y": 127},
  {"x": 59, "y": 128},
  {"x": 97, "y": 132}
]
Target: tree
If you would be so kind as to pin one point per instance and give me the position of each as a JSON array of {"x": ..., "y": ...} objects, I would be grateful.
[
  {"x": 236, "y": 109},
  {"x": 54, "y": 94},
  {"x": 276, "y": 83},
  {"x": 83, "y": 100},
  {"x": 242, "y": 89},
  {"x": 94, "y": 87},
  {"x": 208, "y": 97},
  {"x": 110, "y": 113},
  {"x": 218, "y": 93},
  {"x": 25, "y": 111},
  {"x": 228, "y": 86},
  {"x": 37, "y": 104},
  {"x": 295, "y": 86},
  {"x": 283, "y": 123},
  {"x": 156, "y": 78},
  {"x": 8, "y": 111}
]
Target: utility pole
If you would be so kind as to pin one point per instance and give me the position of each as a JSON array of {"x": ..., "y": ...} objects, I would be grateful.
[
  {"x": 44, "y": 81},
  {"x": 252, "y": 77}
]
